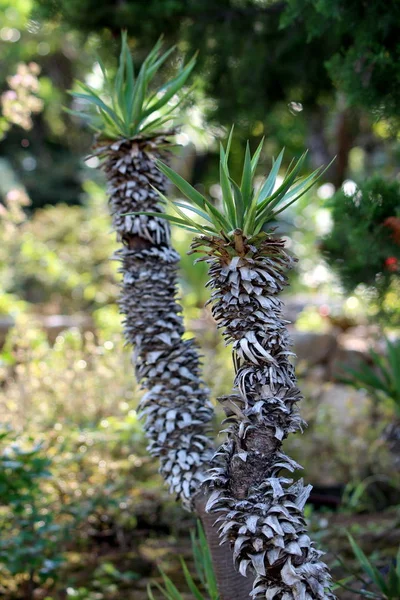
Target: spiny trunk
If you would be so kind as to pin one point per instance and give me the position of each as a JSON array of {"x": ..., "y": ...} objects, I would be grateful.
[
  {"x": 261, "y": 512},
  {"x": 176, "y": 409}
]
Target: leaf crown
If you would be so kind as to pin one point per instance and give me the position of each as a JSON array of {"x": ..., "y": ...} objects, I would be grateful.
[
  {"x": 244, "y": 207},
  {"x": 126, "y": 107}
]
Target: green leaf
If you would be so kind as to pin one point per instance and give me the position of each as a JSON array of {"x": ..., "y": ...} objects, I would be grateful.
[
  {"x": 393, "y": 351},
  {"x": 189, "y": 191},
  {"x": 118, "y": 98},
  {"x": 290, "y": 177},
  {"x": 150, "y": 592},
  {"x": 156, "y": 124},
  {"x": 369, "y": 569},
  {"x": 364, "y": 377},
  {"x": 239, "y": 204},
  {"x": 129, "y": 79},
  {"x": 191, "y": 584},
  {"x": 99, "y": 103},
  {"x": 208, "y": 566},
  {"x": 228, "y": 145},
  {"x": 76, "y": 113},
  {"x": 226, "y": 190},
  {"x": 269, "y": 184},
  {"x": 381, "y": 363},
  {"x": 175, "y": 220},
  {"x": 129, "y": 105},
  {"x": 172, "y": 88},
  {"x": 256, "y": 157},
  {"x": 194, "y": 196},
  {"x": 246, "y": 184},
  {"x": 140, "y": 94},
  {"x": 316, "y": 174},
  {"x": 398, "y": 565},
  {"x": 167, "y": 114},
  {"x": 157, "y": 64},
  {"x": 393, "y": 583},
  {"x": 199, "y": 212},
  {"x": 172, "y": 590},
  {"x": 203, "y": 228}
]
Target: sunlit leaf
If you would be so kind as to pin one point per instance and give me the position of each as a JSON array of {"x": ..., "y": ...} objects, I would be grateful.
[{"x": 127, "y": 100}]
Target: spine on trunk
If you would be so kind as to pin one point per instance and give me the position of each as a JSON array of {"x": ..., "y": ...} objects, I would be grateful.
[
  {"x": 175, "y": 407},
  {"x": 261, "y": 509}
]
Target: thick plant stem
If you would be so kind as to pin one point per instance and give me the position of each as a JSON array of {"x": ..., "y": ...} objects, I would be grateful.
[
  {"x": 175, "y": 407},
  {"x": 231, "y": 585},
  {"x": 261, "y": 511}
]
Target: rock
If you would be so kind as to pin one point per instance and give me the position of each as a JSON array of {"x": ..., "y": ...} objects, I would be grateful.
[
  {"x": 345, "y": 404},
  {"x": 313, "y": 348},
  {"x": 317, "y": 374},
  {"x": 352, "y": 352}
]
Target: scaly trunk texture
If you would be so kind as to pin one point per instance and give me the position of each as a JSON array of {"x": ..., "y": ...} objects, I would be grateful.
[
  {"x": 262, "y": 511},
  {"x": 176, "y": 409}
]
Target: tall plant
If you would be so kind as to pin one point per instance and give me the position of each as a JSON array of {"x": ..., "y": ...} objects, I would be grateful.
[
  {"x": 129, "y": 117},
  {"x": 260, "y": 509}
]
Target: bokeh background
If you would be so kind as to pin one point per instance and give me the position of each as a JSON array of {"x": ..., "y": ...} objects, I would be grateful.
[{"x": 83, "y": 512}]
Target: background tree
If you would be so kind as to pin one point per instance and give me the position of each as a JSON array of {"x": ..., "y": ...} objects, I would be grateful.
[
  {"x": 286, "y": 61},
  {"x": 288, "y": 82},
  {"x": 363, "y": 246}
]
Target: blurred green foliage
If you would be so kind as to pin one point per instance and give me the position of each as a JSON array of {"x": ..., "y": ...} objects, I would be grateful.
[
  {"x": 363, "y": 246},
  {"x": 384, "y": 381},
  {"x": 60, "y": 257},
  {"x": 30, "y": 537},
  {"x": 204, "y": 572},
  {"x": 41, "y": 155},
  {"x": 277, "y": 70},
  {"x": 382, "y": 583},
  {"x": 365, "y": 63}
]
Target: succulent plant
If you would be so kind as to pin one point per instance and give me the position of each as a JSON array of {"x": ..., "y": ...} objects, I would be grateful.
[
  {"x": 129, "y": 119},
  {"x": 260, "y": 509}
]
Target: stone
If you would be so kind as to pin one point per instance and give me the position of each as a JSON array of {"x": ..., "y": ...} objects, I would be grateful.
[
  {"x": 345, "y": 404},
  {"x": 313, "y": 348},
  {"x": 352, "y": 352}
]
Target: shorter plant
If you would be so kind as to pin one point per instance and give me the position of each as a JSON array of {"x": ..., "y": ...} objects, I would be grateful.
[
  {"x": 261, "y": 511},
  {"x": 244, "y": 208},
  {"x": 204, "y": 571},
  {"x": 382, "y": 584}
]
